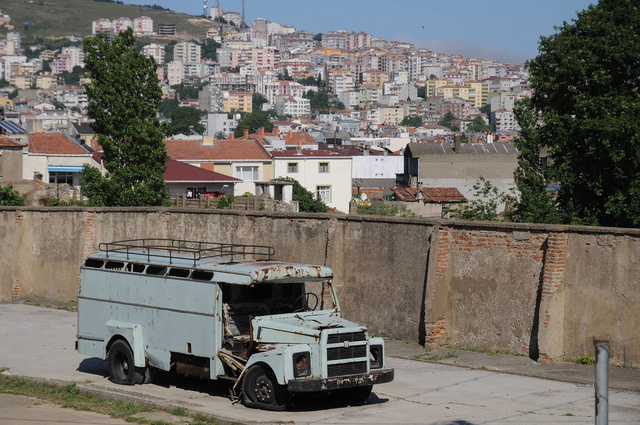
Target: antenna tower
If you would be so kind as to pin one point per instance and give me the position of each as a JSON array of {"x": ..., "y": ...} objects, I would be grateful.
[
  {"x": 243, "y": 21},
  {"x": 205, "y": 9}
]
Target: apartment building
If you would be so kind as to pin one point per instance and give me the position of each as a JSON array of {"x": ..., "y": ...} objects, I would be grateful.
[
  {"x": 156, "y": 51},
  {"x": 187, "y": 52},
  {"x": 237, "y": 101},
  {"x": 143, "y": 25},
  {"x": 121, "y": 24}
]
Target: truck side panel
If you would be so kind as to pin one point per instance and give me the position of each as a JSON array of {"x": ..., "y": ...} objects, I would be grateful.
[{"x": 176, "y": 315}]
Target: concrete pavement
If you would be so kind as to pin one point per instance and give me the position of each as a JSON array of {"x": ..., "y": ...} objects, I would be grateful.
[{"x": 39, "y": 342}]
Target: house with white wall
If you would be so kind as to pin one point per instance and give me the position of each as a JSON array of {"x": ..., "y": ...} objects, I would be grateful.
[{"x": 326, "y": 174}]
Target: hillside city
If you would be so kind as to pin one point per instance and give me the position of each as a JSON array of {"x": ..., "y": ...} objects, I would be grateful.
[{"x": 357, "y": 120}]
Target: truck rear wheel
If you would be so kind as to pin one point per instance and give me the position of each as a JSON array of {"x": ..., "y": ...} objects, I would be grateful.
[
  {"x": 121, "y": 367},
  {"x": 261, "y": 389}
]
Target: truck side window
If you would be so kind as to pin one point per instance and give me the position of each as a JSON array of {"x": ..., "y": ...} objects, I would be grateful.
[
  {"x": 157, "y": 270},
  {"x": 114, "y": 265},
  {"x": 94, "y": 264}
]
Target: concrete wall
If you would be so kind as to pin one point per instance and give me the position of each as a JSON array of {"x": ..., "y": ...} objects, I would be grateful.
[{"x": 543, "y": 291}]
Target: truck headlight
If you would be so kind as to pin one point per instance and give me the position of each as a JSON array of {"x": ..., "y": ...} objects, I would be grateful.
[
  {"x": 301, "y": 364},
  {"x": 376, "y": 357}
]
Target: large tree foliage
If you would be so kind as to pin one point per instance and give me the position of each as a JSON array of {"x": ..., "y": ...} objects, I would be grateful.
[
  {"x": 186, "y": 118},
  {"x": 253, "y": 122},
  {"x": 124, "y": 94},
  {"x": 586, "y": 89}
]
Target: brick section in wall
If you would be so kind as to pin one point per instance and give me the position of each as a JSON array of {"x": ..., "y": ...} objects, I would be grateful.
[
  {"x": 554, "y": 267},
  {"x": 19, "y": 217},
  {"x": 443, "y": 252},
  {"x": 89, "y": 233},
  {"x": 471, "y": 240},
  {"x": 15, "y": 290},
  {"x": 435, "y": 331}
]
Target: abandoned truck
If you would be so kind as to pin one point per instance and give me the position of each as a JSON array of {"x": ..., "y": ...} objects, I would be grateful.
[{"x": 225, "y": 312}]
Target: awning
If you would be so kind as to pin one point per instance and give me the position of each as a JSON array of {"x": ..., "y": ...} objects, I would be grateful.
[
  {"x": 67, "y": 169},
  {"x": 12, "y": 127}
]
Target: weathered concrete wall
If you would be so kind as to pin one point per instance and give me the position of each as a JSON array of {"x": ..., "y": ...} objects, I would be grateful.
[{"x": 543, "y": 291}]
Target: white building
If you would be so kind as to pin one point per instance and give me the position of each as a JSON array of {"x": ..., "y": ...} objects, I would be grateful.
[
  {"x": 350, "y": 98},
  {"x": 100, "y": 26},
  {"x": 154, "y": 50},
  {"x": 289, "y": 105},
  {"x": 76, "y": 56},
  {"x": 121, "y": 24},
  {"x": 326, "y": 174},
  {"x": 279, "y": 88},
  {"x": 175, "y": 73},
  {"x": 187, "y": 52}
]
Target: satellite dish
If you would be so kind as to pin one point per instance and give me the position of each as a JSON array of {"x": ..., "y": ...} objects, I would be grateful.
[
  {"x": 363, "y": 196},
  {"x": 238, "y": 116},
  {"x": 225, "y": 95}
]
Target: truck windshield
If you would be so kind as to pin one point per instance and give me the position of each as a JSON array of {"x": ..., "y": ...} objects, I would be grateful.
[{"x": 277, "y": 298}]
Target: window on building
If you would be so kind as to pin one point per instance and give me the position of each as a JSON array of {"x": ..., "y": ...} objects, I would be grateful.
[
  {"x": 323, "y": 167},
  {"x": 292, "y": 167},
  {"x": 61, "y": 177},
  {"x": 324, "y": 193},
  {"x": 247, "y": 173}
]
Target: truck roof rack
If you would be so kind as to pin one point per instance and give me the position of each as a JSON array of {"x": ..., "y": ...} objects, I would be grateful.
[{"x": 186, "y": 250}]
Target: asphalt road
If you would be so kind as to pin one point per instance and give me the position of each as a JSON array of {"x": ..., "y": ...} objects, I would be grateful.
[{"x": 39, "y": 342}]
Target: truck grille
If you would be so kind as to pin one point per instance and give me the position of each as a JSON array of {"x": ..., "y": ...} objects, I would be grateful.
[
  {"x": 346, "y": 369},
  {"x": 353, "y": 346},
  {"x": 341, "y": 353},
  {"x": 349, "y": 336}
]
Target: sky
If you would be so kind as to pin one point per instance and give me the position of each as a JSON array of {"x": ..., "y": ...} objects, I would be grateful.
[{"x": 503, "y": 30}]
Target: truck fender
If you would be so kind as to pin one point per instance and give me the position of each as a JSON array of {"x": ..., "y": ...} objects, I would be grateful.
[
  {"x": 280, "y": 360},
  {"x": 132, "y": 333}
]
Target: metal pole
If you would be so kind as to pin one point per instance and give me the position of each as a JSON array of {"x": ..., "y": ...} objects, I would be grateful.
[{"x": 602, "y": 381}]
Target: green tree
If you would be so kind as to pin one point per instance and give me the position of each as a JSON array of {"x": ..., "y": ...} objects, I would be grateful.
[
  {"x": 586, "y": 89},
  {"x": 13, "y": 94},
  {"x": 73, "y": 77},
  {"x": 412, "y": 121},
  {"x": 186, "y": 92},
  {"x": 58, "y": 105},
  {"x": 257, "y": 100},
  {"x": 10, "y": 197},
  {"x": 485, "y": 109},
  {"x": 123, "y": 96},
  {"x": 318, "y": 37},
  {"x": 285, "y": 76},
  {"x": 319, "y": 100},
  {"x": 422, "y": 92},
  {"x": 253, "y": 122},
  {"x": 167, "y": 106},
  {"x": 184, "y": 119},
  {"x": 535, "y": 204},
  {"x": 220, "y": 135},
  {"x": 447, "y": 121},
  {"x": 485, "y": 206},
  {"x": 307, "y": 202},
  {"x": 479, "y": 125},
  {"x": 4, "y": 83},
  {"x": 210, "y": 49}
]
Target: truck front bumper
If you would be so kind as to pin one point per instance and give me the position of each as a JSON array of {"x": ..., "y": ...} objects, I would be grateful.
[{"x": 312, "y": 384}]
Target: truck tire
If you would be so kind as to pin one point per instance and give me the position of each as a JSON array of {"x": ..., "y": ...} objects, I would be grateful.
[
  {"x": 261, "y": 389},
  {"x": 121, "y": 367}
]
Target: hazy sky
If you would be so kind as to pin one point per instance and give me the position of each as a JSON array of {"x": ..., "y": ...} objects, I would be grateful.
[{"x": 506, "y": 30}]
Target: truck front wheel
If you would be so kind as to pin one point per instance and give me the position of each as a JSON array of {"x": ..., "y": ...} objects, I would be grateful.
[
  {"x": 121, "y": 367},
  {"x": 261, "y": 389}
]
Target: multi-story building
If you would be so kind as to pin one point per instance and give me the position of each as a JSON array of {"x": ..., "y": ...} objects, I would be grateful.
[
  {"x": 46, "y": 81},
  {"x": 14, "y": 37},
  {"x": 342, "y": 83},
  {"x": 62, "y": 63},
  {"x": 390, "y": 115},
  {"x": 21, "y": 81},
  {"x": 350, "y": 98},
  {"x": 233, "y": 17},
  {"x": 460, "y": 108},
  {"x": 143, "y": 25},
  {"x": 504, "y": 121},
  {"x": 265, "y": 58},
  {"x": 237, "y": 101},
  {"x": 76, "y": 56},
  {"x": 154, "y": 50},
  {"x": 102, "y": 25},
  {"x": 215, "y": 124},
  {"x": 289, "y": 105},
  {"x": 187, "y": 52},
  {"x": 374, "y": 77},
  {"x": 175, "y": 72},
  {"x": 278, "y": 88},
  {"x": 166, "y": 29},
  {"x": 299, "y": 40},
  {"x": 121, "y": 24},
  {"x": 335, "y": 39},
  {"x": 369, "y": 95},
  {"x": 293, "y": 66}
]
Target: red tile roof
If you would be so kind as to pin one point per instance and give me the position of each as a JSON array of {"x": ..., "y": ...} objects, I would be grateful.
[
  {"x": 53, "y": 144},
  {"x": 295, "y": 138},
  {"x": 431, "y": 194},
  {"x": 9, "y": 143},
  {"x": 234, "y": 150},
  {"x": 180, "y": 172}
]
